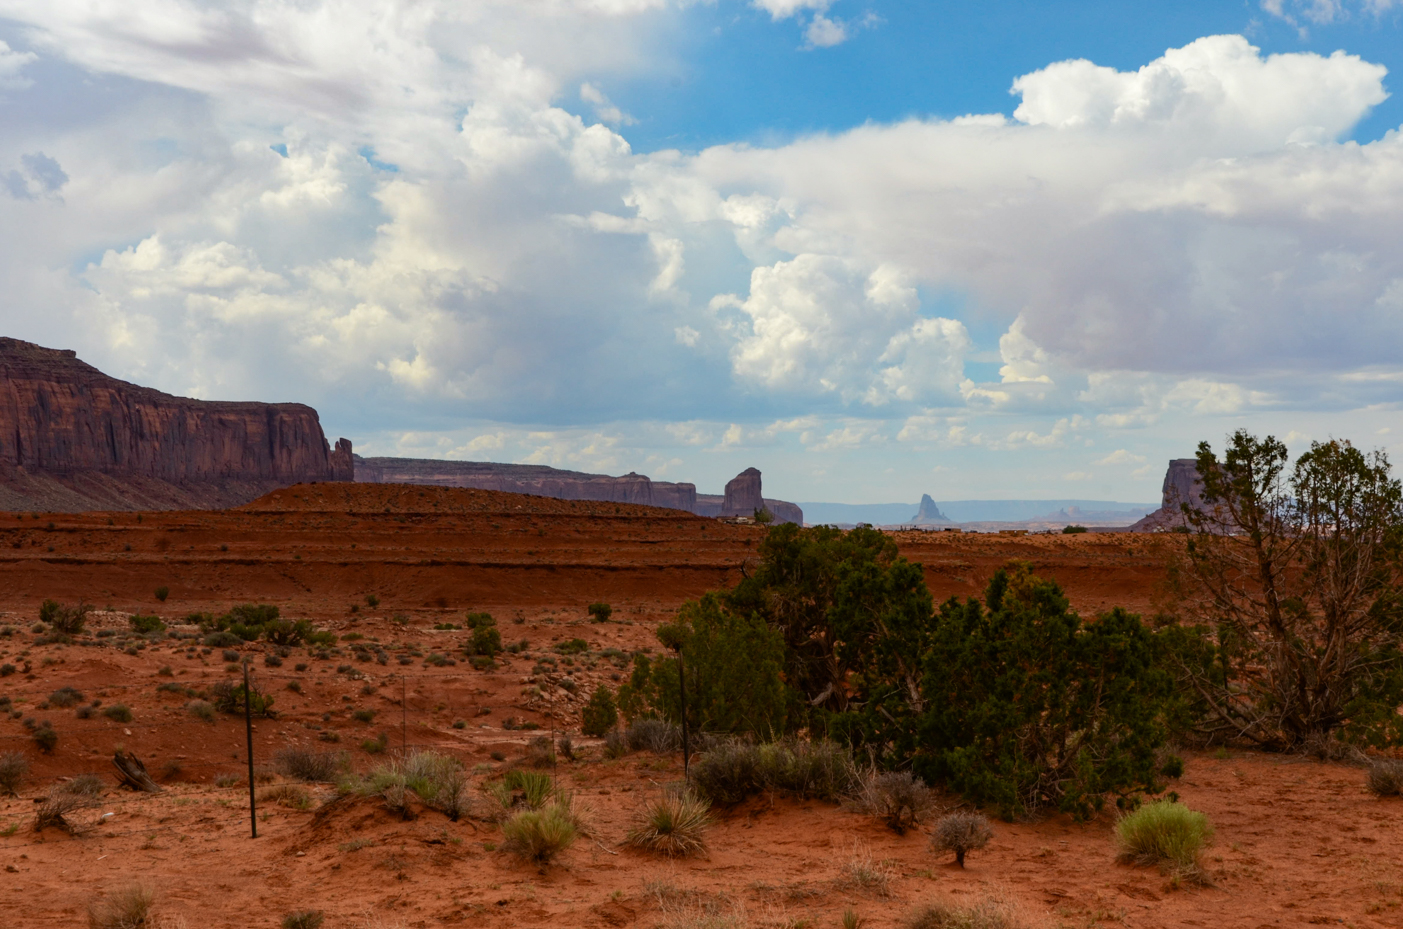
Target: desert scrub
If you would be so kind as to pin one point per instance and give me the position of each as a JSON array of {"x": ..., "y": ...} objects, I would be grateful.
[
  {"x": 437, "y": 780},
  {"x": 961, "y": 833},
  {"x": 988, "y": 913},
  {"x": 65, "y": 697},
  {"x": 13, "y": 767},
  {"x": 897, "y": 798},
  {"x": 305, "y": 765},
  {"x": 127, "y": 908},
  {"x": 540, "y": 835},
  {"x": 1385, "y": 777},
  {"x": 1167, "y": 834},
  {"x": 303, "y": 919},
  {"x": 600, "y": 715},
  {"x": 118, "y": 713},
  {"x": 731, "y": 770},
  {"x": 201, "y": 709},
  {"x": 674, "y": 825},
  {"x": 288, "y": 795}
]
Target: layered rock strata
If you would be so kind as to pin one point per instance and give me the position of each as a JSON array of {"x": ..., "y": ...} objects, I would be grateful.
[
  {"x": 544, "y": 481},
  {"x": 73, "y": 438}
]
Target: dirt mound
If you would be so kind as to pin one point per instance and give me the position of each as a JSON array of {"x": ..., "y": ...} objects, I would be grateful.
[{"x": 420, "y": 499}]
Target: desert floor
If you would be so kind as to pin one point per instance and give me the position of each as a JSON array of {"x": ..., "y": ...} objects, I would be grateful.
[{"x": 1298, "y": 841}]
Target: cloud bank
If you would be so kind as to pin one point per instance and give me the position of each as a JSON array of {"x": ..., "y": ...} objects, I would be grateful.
[{"x": 398, "y": 213}]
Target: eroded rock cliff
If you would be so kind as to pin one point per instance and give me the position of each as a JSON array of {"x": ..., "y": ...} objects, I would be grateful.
[
  {"x": 1181, "y": 486},
  {"x": 73, "y": 438}
]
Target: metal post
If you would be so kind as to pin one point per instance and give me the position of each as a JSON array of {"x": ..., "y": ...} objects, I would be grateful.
[
  {"x": 248, "y": 731},
  {"x": 404, "y": 717},
  {"x": 682, "y": 688}
]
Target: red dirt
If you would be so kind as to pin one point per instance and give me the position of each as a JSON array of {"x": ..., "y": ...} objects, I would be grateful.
[{"x": 1298, "y": 842}]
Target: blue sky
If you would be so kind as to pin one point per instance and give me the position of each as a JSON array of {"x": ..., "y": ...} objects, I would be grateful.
[{"x": 996, "y": 250}]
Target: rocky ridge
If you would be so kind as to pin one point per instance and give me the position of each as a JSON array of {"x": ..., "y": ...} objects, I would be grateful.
[{"x": 1181, "y": 485}]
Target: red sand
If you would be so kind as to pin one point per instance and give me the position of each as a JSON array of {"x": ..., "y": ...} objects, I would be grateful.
[{"x": 1298, "y": 842}]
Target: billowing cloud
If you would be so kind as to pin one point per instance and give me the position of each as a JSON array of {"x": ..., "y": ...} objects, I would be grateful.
[{"x": 397, "y": 213}]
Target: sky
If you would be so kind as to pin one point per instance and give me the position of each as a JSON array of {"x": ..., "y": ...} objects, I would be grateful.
[{"x": 875, "y": 249}]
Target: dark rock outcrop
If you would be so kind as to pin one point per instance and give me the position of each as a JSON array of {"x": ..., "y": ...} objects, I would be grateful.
[
  {"x": 72, "y": 438},
  {"x": 743, "y": 497},
  {"x": 928, "y": 513},
  {"x": 1182, "y": 485}
]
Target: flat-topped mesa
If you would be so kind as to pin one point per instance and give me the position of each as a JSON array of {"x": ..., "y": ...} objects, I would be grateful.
[
  {"x": 1182, "y": 485},
  {"x": 540, "y": 480},
  {"x": 64, "y": 421}
]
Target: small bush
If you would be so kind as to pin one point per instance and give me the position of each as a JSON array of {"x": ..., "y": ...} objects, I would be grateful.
[
  {"x": 653, "y": 735},
  {"x": 615, "y": 744},
  {"x": 540, "y": 835},
  {"x": 13, "y": 767},
  {"x": 128, "y": 908},
  {"x": 88, "y": 785},
  {"x": 376, "y": 746},
  {"x": 673, "y": 825},
  {"x": 1385, "y": 778},
  {"x": 118, "y": 713},
  {"x": 961, "y": 833},
  {"x": 201, "y": 709},
  {"x": 303, "y": 919},
  {"x": 729, "y": 771},
  {"x": 372, "y": 601},
  {"x": 222, "y": 640},
  {"x": 600, "y": 612},
  {"x": 1072, "y": 530},
  {"x": 540, "y": 753},
  {"x": 84, "y": 712},
  {"x": 145, "y": 624},
  {"x": 162, "y": 593},
  {"x": 65, "y": 697},
  {"x": 46, "y": 738},
  {"x": 600, "y": 715},
  {"x": 572, "y": 647},
  {"x": 898, "y": 798},
  {"x": 1166, "y": 834},
  {"x": 304, "y": 765},
  {"x": 486, "y": 641},
  {"x": 229, "y": 697},
  {"x": 64, "y": 620},
  {"x": 58, "y": 806},
  {"x": 364, "y": 716}
]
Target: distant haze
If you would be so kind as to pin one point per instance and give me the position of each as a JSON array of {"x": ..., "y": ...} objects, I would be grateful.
[{"x": 974, "y": 511}]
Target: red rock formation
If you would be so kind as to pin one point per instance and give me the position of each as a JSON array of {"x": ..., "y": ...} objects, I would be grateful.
[
  {"x": 743, "y": 497},
  {"x": 539, "y": 480},
  {"x": 70, "y": 435}
]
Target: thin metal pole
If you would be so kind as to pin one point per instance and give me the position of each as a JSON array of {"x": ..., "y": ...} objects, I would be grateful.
[
  {"x": 682, "y": 687},
  {"x": 404, "y": 716},
  {"x": 248, "y": 731}
]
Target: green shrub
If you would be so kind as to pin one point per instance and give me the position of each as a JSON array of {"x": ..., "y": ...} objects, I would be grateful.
[
  {"x": 730, "y": 770},
  {"x": 961, "y": 833},
  {"x": 64, "y": 620},
  {"x": 229, "y": 697},
  {"x": 221, "y": 639},
  {"x": 600, "y": 612},
  {"x": 145, "y": 624},
  {"x": 1028, "y": 707},
  {"x": 572, "y": 647},
  {"x": 540, "y": 835},
  {"x": 118, "y": 713},
  {"x": 1166, "y": 834},
  {"x": 486, "y": 640},
  {"x": 600, "y": 714},
  {"x": 674, "y": 825},
  {"x": 1072, "y": 530},
  {"x": 363, "y": 716},
  {"x": 162, "y": 593},
  {"x": 201, "y": 709}
]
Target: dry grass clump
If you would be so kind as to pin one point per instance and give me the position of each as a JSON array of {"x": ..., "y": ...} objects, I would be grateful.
[
  {"x": 13, "y": 767},
  {"x": 961, "y": 833},
  {"x": 288, "y": 795},
  {"x": 864, "y": 872},
  {"x": 1166, "y": 834},
  {"x": 898, "y": 798},
  {"x": 540, "y": 835},
  {"x": 729, "y": 770},
  {"x": 1385, "y": 778},
  {"x": 437, "y": 780},
  {"x": 674, "y": 825},
  {"x": 128, "y": 908},
  {"x": 987, "y": 913},
  {"x": 653, "y": 735},
  {"x": 305, "y": 765},
  {"x": 303, "y": 919},
  {"x": 529, "y": 789},
  {"x": 540, "y": 752}
]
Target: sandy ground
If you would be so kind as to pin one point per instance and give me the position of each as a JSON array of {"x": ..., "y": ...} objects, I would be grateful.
[{"x": 1298, "y": 842}]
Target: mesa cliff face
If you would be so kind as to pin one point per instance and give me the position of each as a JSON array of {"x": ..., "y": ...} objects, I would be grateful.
[
  {"x": 1181, "y": 485},
  {"x": 72, "y": 438}
]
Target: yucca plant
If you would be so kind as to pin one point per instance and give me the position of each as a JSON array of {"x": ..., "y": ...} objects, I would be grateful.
[{"x": 674, "y": 825}]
